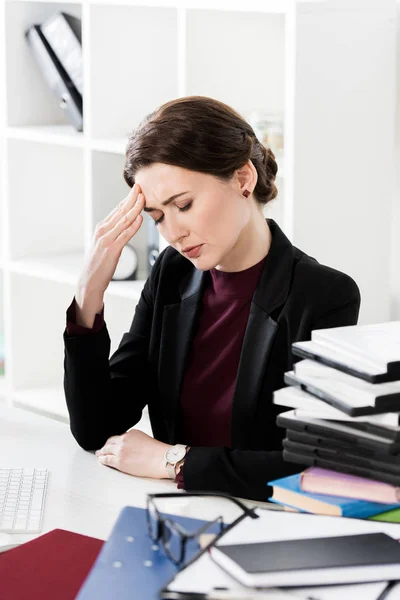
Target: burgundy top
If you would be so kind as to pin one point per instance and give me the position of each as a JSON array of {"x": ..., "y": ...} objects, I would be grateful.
[{"x": 210, "y": 379}]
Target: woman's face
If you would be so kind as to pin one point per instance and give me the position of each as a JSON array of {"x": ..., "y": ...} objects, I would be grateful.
[{"x": 202, "y": 217}]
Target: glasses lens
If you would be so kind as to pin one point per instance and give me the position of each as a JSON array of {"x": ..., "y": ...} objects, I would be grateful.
[
  {"x": 152, "y": 520},
  {"x": 172, "y": 541}
]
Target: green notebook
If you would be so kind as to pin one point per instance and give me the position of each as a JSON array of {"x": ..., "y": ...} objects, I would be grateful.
[{"x": 390, "y": 516}]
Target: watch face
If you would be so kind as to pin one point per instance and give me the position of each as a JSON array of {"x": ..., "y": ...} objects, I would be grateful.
[{"x": 175, "y": 454}]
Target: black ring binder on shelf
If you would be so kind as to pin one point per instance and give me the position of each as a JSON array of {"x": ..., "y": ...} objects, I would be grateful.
[{"x": 69, "y": 98}]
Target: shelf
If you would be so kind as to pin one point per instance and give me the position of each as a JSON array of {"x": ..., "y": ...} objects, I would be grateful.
[
  {"x": 61, "y": 268},
  {"x": 46, "y": 198},
  {"x": 122, "y": 92},
  {"x": 211, "y": 68},
  {"x": 263, "y": 6},
  {"x": 113, "y": 145},
  {"x": 64, "y": 135},
  {"x": 65, "y": 268}
]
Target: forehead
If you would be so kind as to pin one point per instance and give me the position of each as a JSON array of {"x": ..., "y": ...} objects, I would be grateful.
[{"x": 160, "y": 181}]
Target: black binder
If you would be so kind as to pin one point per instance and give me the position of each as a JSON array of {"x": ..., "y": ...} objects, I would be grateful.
[
  {"x": 56, "y": 76},
  {"x": 339, "y": 431},
  {"x": 343, "y": 467},
  {"x": 348, "y": 457},
  {"x": 63, "y": 33}
]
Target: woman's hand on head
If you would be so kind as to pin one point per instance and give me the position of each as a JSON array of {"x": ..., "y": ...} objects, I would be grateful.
[
  {"x": 135, "y": 453},
  {"x": 110, "y": 237}
]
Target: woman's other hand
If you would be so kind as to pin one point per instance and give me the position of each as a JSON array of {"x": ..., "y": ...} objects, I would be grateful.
[
  {"x": 135, "y": 453},
  {"x": 110, "y": 237}
]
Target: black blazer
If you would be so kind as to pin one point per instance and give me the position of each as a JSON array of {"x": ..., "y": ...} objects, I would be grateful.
[{"x": 295, "y": 295}]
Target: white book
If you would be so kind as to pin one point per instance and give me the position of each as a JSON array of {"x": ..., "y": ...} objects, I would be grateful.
[
  {"x": 344, "y": 361},
  {"x": 368, "y": 352},
  {"x": 307, "y": 405},
  {"x": 357, "y": 388},
  {"x": 350, "y": 399},
  {"x": 349, "y": 394},
  {"x": 379, "y": 342}
]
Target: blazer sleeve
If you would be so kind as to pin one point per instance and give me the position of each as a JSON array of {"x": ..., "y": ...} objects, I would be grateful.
[
  {"x": 105, "y": 396},
  {"x": 246, "y": 473},
  {"x": 240, "y": 473}
]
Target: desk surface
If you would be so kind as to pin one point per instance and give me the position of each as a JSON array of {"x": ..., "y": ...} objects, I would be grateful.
[{"x": 83, "y": 495}]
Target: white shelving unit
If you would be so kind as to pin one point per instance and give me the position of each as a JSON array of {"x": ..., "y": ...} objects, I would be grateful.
[{"x": 327, "y": 66}]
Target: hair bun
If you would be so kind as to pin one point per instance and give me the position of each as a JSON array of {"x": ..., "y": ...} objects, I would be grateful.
[
  {"x": 266, "y": 188},
  {"x": 270, "y": 161}
]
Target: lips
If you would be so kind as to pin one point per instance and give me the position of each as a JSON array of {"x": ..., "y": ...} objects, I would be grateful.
[{"x": 192, "y": 251}]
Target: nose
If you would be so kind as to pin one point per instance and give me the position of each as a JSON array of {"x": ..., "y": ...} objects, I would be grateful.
[{"x": 175, "y": 230}]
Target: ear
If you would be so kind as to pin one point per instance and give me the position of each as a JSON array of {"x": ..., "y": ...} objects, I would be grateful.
[{"x": 246, "y": 177}]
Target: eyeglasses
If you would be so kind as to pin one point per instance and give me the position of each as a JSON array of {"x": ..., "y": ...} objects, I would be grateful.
[{"x": 174, "y": 537}]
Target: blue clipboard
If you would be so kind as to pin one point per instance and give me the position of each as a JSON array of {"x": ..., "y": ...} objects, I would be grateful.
[{"x": 129, "y": 564}]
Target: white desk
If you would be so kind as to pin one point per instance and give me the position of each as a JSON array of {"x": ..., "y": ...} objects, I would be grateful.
[
  {"x": 87, "y": 497},
  {"x": 83, "y": 495}
]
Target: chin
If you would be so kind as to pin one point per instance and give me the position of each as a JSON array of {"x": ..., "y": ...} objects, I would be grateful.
[{"x": 203, "y": 264}]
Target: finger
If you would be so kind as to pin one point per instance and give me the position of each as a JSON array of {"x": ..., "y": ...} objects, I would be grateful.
[
  {"x": 111, "y": 442},
  {"x": 107, "y": 449},
  {"x": 126, "y": 203},
  {"x": 126, "y": 221},
  {"x": 113, "y": 439},
  {"x": 109, "y": 460},
  {"x": 127, "y": 234}
]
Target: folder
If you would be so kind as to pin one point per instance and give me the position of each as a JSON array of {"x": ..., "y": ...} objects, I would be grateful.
[
  {"x": 53, "y": 565},
  {"x": 130, "y": 565},
  {"x": 57, "y": 78},
  {"x": 64, "y": 35}
]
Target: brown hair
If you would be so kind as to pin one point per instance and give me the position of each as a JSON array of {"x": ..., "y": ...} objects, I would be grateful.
[{"x": 201, "y": 134}]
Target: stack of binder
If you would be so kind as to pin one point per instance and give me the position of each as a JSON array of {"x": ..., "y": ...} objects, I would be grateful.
[{"x": 345, "y": 401}]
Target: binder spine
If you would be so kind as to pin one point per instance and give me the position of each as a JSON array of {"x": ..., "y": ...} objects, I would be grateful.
[{"x": 56, "y": 77}]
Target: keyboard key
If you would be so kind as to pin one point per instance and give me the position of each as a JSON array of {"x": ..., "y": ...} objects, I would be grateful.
[{"x": 22, "y": 493}]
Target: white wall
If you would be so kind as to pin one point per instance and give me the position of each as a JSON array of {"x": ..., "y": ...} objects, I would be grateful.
[{"x": 395, "y": 236}]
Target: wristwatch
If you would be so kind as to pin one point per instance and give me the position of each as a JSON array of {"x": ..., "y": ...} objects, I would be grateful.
[{"x": 172, "y": 457}]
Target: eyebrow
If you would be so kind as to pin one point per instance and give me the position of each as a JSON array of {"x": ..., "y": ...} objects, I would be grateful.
[{"x": 171, "y": 199}]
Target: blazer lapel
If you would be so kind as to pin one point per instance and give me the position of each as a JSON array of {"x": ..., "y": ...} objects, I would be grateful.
[
  {"x": 179, "y": 326},
  {"x": 270, "y": 295}
]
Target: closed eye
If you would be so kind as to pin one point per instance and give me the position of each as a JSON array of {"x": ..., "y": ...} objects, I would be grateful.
[{"x": 180, "y": 208}]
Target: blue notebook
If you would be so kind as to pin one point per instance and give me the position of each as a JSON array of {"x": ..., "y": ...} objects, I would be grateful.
[
  {"x": 287, "y": 492},
  {"x": 129, "y": 564}
]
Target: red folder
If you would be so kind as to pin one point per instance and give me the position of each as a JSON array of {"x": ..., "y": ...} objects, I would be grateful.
[{"x": 52, "y": 566}]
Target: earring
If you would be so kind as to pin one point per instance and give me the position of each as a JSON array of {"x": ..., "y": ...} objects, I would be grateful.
[{"x": 246, "y": 193}]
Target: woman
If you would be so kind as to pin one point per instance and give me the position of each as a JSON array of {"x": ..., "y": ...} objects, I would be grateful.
[{"x": 211, "y": 336}]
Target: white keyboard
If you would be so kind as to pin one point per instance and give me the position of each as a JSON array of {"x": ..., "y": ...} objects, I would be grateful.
[{"x": 22, "y": 495}]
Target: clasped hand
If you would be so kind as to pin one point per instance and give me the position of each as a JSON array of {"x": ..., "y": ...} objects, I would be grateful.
[{"x": 135, "y": 453}]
